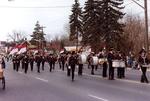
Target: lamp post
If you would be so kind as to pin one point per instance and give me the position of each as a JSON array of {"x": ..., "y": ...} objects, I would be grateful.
[{"x": 146, "y": 23}]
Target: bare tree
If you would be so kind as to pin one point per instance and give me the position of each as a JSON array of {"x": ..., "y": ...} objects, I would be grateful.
[
  {"x": 48, "y": 37},
  {"x": 135, "y": 31},
  {"x": 17, "y": 36}
]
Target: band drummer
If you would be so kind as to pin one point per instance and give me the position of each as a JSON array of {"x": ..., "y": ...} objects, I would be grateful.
[
  {"x": 103, "y": 62},
  {"x": 80, "y": 63},
  {"x": 120, "y": 70}
]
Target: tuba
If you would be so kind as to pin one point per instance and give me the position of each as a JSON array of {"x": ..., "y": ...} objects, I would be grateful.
[{"x": 102, "y": 60}]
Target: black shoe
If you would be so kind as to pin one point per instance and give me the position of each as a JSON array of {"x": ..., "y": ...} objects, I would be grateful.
[
  {"x": 111, "y": 79},
  {"x": 80, "y": 74},
  {"x": 92, "y": 73},
  {"x": 104, "y": 76},
  {"x": 147, "y": 81}
]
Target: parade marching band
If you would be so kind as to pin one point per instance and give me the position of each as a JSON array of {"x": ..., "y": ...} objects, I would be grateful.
[{"x": 107, "y": 61}]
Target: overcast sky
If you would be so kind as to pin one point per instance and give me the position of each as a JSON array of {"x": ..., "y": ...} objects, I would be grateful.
[{"x": 21, "y": 15}]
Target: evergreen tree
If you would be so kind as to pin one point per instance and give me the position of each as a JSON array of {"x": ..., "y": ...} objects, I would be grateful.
[
  {"x": 112, "y": 26},
  {"x": 76, "y": 22},
  {"x": 38, "y": 35},
  {"x": 102, "y": 23},
  {"x": 92, "y": 21}
]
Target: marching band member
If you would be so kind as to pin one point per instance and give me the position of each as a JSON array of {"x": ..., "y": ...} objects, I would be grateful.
[
  {"x": 14, "y": 62},
  {"x": 72, "y": 63},
  {"x": 22, "y": 63},
  {"x": 2, "y": 62},
  {"x": 119, "y": 69},
  {"x": 88, "y": 60},
  {"x": 54, "y": 61},
  {"x": 31, "y": 60},
  {"x": 43, "y": 61},
  {"x": 63, "y": 61},
  {"x": 143, "y": 60},
  {"x": 80, "y": 64},
  {"x": 59, "y": 61},
  {"x": 93, "y": 63},
  {"x": 17, "y": 62},
  {"x": 50, "y": 61},
  {"x": 123, "y": 69},
  {"x": 26, "y": 61},
  {"x": 103, "y": 55},
  {"x": 38, "y": 61},
  {"x": 110, "y": 57},
  {"x": 67, "y": 64}
]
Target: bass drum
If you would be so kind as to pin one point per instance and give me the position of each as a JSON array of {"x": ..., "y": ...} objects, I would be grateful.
[{"x": 95, "y": 60}]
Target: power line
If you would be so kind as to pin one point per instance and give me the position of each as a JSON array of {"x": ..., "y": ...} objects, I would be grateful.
[{"x": 49, "y": 7}]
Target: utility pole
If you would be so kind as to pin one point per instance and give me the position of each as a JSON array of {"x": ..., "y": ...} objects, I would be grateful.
[
  {"x": 77, "y": 42},
  {"x": 146, "y": 23}
]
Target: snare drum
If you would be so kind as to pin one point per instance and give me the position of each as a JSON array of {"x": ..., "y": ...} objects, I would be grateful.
[
  {"x": 122, "y": 64},
  {"x": 83, "y": 58},
  {"x": 95, "y": 60},
  {"x": 116, "y": 63}
]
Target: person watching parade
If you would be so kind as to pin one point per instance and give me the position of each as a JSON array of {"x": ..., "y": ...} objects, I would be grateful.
[{"x": 143, "y": 60}]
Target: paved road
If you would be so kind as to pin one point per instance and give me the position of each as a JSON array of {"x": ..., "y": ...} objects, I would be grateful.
[{"x": 56, "y": 86}]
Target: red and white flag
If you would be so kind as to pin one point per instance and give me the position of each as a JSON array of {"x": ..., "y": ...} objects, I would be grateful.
[
  {"x": 23, "y": 49},
  {"x": 13, "y": 51}
]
